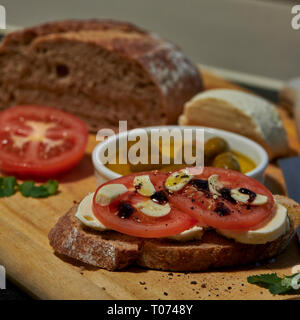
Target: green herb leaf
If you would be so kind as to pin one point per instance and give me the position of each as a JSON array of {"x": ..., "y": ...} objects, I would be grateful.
[
  {"x": 7, "y": 186},
  {"x": 28, "y": 189},
  {"x": 275, "y": 284},
  {"x": 51, "y": 186}
]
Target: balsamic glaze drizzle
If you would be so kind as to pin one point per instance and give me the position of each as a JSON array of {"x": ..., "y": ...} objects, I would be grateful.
[
  {"x": 125, "y": 210},
  {"x": 225, "y": 193},
  {"x": 159, "y": 197},
  {"x": 199, "y": 184},
  {"x": 221, "y": 208},
  {"x": 251, "y": 194}
]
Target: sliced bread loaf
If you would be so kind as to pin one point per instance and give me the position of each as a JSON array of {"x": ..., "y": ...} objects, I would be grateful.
[{"x": 100, "y": 70}]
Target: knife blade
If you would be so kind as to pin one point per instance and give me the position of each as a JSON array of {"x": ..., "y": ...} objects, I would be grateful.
[{"x": 290, "y": 168}]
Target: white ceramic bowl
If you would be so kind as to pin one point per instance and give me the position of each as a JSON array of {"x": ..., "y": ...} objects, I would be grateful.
[{"x": 236, "y": 142}]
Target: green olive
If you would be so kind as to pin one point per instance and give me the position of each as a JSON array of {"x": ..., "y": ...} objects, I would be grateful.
[
  {"x": 227, "y": 160},
  {"x": 214, "y": 147}
]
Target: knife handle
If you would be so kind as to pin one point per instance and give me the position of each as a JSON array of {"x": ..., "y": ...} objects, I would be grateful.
[{"x": 290, "y": 99}]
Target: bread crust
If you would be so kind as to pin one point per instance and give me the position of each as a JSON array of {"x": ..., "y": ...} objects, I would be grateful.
[
  {"x": 113, "y": 251},
  {"x": 174, "y": 76}
]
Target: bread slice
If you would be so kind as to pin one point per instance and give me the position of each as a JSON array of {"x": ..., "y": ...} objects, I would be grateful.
[
  {"x": 100, "y": 70},
  {"x": 239, "y": 112},
  {"x": 113, "y": 251}
]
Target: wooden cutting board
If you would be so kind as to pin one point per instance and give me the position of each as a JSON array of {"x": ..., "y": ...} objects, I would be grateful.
[{"x": 31, "y": 263}]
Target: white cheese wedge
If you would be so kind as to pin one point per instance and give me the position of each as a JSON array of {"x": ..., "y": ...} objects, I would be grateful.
[
  {"x": 153, "y": 209},
  {"x": 109, "y": 192},
  {"x": 144, "y": 185},
  {"x": 239, "y": 112},
  {"x": 86, "y": 216},
  {"x": 243, "y": 198},
  {"x": 177, "y": 180},
  {"x": 194, "y": 233},
  {"x": 275, "y": 228}
]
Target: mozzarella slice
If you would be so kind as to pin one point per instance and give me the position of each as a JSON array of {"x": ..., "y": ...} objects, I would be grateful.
[
  {"x": 109, "y": 192},
  {"x": 153, "y": 209},
  {"x": 214, "y": 185},
  {"x": 86, "y": 216},
  {"x": 177, "y": 180},
  {"x": 238, "y": 196},
  {"x": 144, "y": 185},
  {"x": 194, "y": 233},
  {"x": 241, "y": 197},
  {"x": 275, "y": 228}
]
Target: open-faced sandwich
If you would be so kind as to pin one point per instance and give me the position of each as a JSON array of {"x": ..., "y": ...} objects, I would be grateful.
[{"x": 187, "y": 220}]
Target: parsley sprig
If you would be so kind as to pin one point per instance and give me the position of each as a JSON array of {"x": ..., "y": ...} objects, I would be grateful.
[
  {"x": 9, "y": 186},
  {"x": 275, "y": 284}
]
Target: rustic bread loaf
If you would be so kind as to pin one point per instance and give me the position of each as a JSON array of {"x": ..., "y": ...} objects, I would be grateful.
[
  {"x": 112, "y": 250},
  {"x": 239, "y": 112},
  {"x": 102, "y": 71}
]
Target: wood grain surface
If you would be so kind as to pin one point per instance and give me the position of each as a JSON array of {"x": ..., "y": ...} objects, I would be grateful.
[{"x": 31, "y": 263}]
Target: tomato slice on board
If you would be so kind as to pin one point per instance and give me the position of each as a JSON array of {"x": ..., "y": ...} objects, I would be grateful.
[
  {"x": 40, "y": 141},
  {"x": 201, "y": 205},
  {"x": 138, "y": 224}
]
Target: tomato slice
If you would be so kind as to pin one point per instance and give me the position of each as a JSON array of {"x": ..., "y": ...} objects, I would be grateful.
[
  {"x": 138, "y": 224},
  {"x": 221, "y": 213},
  {"x": 40, "y": 141}
]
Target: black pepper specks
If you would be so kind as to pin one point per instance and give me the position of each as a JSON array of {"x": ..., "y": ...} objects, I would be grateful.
[
  {"x": 185, "y": 176},
  {"x": 221, "y": 209},
  {"x": 138, "y": 186}
]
